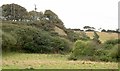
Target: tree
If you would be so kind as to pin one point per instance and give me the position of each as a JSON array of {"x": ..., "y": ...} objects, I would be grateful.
[
  {"x": 103, "y": 30},
  {"x": 96, "y": 37},
  {"x": 34, "y": 15},
  {"x": 88, "y": 28},
  {"x": 14, "y": 12}
]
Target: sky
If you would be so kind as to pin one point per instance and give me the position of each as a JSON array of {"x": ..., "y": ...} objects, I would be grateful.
[{"x": 77, "y": 13}]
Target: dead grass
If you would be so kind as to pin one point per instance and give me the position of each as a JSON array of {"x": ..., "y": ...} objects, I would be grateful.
[
  {"x": 60, "y": 31},
  {"x": 103, "y": 35},
  {"x": 50, "y": 61}
]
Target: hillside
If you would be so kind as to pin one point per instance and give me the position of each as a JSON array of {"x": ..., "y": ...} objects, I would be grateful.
[
  {"x": 60, "y": 31},
  {"x": 39, "y": 40},
  {"x": 104, "y": 35}
]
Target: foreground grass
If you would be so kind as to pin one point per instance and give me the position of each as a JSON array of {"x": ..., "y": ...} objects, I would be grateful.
[{"x": 50, "y": 61}]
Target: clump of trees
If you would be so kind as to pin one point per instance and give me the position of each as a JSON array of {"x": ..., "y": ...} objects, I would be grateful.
[
  {"x": 32, "y": 40},
  {"x": 14, "y": 12},
  {"x": 111, "y": 31},
  {"x": 46, "y": 20}
]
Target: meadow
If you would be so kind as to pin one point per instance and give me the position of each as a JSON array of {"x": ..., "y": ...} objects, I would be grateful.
[{"x": 50, "y": 61}]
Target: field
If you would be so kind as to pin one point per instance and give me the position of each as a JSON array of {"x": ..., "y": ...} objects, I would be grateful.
[
  {"x": 103, "y": 35},
  {"x": 50, "y": 61}
]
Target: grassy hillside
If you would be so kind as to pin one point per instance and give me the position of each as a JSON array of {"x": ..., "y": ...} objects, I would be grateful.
[
  {"x": 103, "y": 35},
  {"x": 35, "y": 40}
]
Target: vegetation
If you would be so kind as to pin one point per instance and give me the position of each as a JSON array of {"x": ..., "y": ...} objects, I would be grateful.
[
  {"x": 50, "y": 61},
  {"x": 44, "y": 33},
  {"x": 10, "y": 12},
  {"x": 107, "y": 51},
  {"x": 32, "y": 39}
]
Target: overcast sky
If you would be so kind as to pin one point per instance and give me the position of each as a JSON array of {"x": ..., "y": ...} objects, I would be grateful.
[{"x": 77, "y": 13}]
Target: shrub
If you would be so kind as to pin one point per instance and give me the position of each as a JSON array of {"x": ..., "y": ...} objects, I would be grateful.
[
  {"x": 90, "y": 48},
  {"x": 83, "y": 36},
  {"x": 77, "y": 50},
  {"x": 60, "y": 45},
  {"x": 8, "y": 41},
  {"x": 114, "y": 52},
  {"x": 83, "y": 49},
  {"x": 113, "y": 41},
  {"x": 72, "y": 36},
  {"x": 107, "y": 52},
  {"x": 96, "y": 38}
]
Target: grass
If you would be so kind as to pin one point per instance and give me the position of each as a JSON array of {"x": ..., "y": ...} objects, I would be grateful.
[
  {"x": 50, "y": 61},
  {"x": 60, "y": 31},
  {"x": 103, "y": 35}
]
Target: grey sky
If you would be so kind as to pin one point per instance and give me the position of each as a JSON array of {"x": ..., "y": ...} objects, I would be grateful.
[{"x": 77, "y": 13}]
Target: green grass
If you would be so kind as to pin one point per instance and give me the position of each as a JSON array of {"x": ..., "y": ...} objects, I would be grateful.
[{"x": 50, "y": 61}]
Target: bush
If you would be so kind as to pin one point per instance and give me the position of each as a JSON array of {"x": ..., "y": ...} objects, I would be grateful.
[
  {"x": 44, "y": 43},
  {"x": 107, "y": 52},
  {"x": 40, "y": 43},
  {"x": 90, "y": 50},
  {"x": 83, "y": 49},
  {"x": 77, "y": 50},
  {"x": 60, "y": 45},
  {"x": 8, "y": 41},
  {"x": 83, "y": 36},
  {"x": 113, "y": 41},
  {"x": 73, "y": 36},
  {"x": 114, "y": 52}
]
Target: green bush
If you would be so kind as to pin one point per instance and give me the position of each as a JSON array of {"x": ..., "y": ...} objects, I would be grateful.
[
  {"x": 72, "y": 36},
  {"x": 114, "y": 52},
  {"x": 77, "y": 50},
  {"x": 113, "y": 41},
  {"x": 60, "y": 45},
  {"x": 8, "y": 41},
  {"x": 83, "y": 36},
  {"x": 107, "y": 52},
  {"x": 83, "y": 49},
  {"x": 90, "y": 50}
]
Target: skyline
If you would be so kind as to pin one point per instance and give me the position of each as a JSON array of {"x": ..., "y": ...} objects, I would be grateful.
[{"x": 77, "y": 13}]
